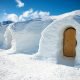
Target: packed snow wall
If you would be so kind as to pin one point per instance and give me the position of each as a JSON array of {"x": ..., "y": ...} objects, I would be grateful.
[
  {"x": 51, "y": 42},
  {"x": 9, "y": 42},
  {"x": 2, "y": 37},
  {"x": 25, "y": 35}
]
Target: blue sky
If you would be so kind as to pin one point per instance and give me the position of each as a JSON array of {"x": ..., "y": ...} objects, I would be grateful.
[{"x": 54, "y": 7}]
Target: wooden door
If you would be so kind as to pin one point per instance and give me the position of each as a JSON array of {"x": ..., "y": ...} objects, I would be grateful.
[{"x": 69, "y": 42}]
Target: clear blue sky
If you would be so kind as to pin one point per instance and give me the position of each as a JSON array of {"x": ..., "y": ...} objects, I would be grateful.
[{"x": 55, "y": 7}]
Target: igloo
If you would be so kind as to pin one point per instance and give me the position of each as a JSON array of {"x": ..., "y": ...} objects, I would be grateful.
[
  {"x": 60, "y": 41},
  {"x": 23, "y": 37}
]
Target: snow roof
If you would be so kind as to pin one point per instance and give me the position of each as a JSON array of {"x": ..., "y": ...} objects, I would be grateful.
[{"x": 73, "y": 13}]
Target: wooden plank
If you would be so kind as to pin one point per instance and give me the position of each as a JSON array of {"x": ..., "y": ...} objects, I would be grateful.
[{"x": 69, "y": 42}]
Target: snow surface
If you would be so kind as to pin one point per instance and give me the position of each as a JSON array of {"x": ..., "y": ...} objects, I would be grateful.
[{"x": 23, "y": 67}]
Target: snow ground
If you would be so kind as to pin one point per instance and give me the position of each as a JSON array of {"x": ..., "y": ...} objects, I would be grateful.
[{"x": 24, "y": 67}]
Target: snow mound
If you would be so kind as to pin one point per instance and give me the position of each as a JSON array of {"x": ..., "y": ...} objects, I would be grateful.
[
  {"x": 24, "y": 37},
  {"x": 51, "y": 42}
]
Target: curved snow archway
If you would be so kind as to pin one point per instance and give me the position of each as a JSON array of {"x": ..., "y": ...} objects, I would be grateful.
[{"x": 51, "y": 42}]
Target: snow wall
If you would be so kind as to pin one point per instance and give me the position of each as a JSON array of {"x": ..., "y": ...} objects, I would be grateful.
[
  {"x": 2, "y": 37},
  {"x": 23, "y": 37},
  {"x": 51, "y": 42}
]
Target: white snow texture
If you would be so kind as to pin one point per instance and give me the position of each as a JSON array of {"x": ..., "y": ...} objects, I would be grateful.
[
  {"x": 51, "y": 42},
  {"x": 30, "y": 49}
]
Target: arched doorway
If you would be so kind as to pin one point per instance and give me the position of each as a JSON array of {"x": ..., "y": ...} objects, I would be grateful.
[{"x": 69, "y": 42}]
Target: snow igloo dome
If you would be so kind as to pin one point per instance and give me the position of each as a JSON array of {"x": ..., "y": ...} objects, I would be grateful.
[
  {"x": 60, "y": 41},
  {"x": 23, "y": 37}
]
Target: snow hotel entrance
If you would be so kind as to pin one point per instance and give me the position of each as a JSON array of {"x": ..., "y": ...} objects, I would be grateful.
[{"x": 69, "y": 42}]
